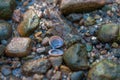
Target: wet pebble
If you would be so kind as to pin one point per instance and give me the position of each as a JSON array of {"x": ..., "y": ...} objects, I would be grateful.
[{"x": 77, "y": 75}]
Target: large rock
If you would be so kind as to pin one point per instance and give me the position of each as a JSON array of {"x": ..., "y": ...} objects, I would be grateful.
[
  {"x": 29, "y": 23},
  {"x": 5, "y": 30},
  {"x": 39, "y": 66},
  {"x": 105, "y": 70},
  {"x": 6, "y": 8},
  {"x": 76, "y": 57},
  {"x": 108, "y": 32},
  {"x": 72, "y": 6},
  {"x": 18, "y": 47}
]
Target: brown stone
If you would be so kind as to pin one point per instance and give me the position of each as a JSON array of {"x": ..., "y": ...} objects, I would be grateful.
[
  {"x": 18, "y": 47},
  {"x": 72, "y": 6},
  {"x": 39, "y": 66}
]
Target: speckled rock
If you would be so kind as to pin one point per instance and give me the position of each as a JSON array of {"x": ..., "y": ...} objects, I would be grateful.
[
  {"x": 108, "y": 32},
  {"x": 38, "y": 66},
  {"x": 56, "y": 76},
  {"x": 29, "y": 23},
  {"x": 72, "y": 6},
  {"x": 105, "y": 70},
  {"x": 5, "y": 30},
  {"x": 6, "y": 8},
  {"x": 18, "y": 47},
  {"x": 76, "y": 57}
]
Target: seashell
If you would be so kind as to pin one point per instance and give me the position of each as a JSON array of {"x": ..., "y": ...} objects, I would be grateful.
[
  {"x": 55, "y": 52},
  {"x": 56, "y": 42}
]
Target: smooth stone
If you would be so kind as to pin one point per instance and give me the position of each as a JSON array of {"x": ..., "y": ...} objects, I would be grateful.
[
  {"x": 104, "y": 70},
  {"x": 39, "y": 66},
  {"x": 73, "y": 6},
  {"x": 116, "y": 52},
  {"x": 108, "y": 32},
  {"x": 56, "y": 61},
  {"x": 18, "y": 47},
  {"x": 75, "y": 57},
  {"x": 29, "y": 23},
  {"x": 77, "y": 75},
  {"x": 37, "y": 77},
  {"x": 6, "y": 70},
  {"x": 6, "y": 8},
  {"x": 89, "y": 21},
  {"x": 5, "y": 30}
]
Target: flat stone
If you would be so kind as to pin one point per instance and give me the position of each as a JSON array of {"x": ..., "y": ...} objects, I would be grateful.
[
  {"x": 105, "y": 70},
  {"x": 5, "y": 30},
  {"x": 73, "y": 6},
  {"x": 6, "y": 8},
  {"x": 29, "y": 23},
  {"x": 18, "y": 47},
  {"x": 39, "y": 66},
  {"x": 75, "y": 57}
]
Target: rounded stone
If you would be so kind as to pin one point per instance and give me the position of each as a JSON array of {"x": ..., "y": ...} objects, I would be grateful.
[
  {"x": 76, "y": 57},
  {"x": 108, "y": 32},
  {"x": 104, "y": 70},
  {"x": 5, "y": 30},
  {"x": 18, "y": 47}
]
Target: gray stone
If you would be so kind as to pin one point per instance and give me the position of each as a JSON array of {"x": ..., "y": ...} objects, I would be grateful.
[
  {"x": 105, "y": 70},
  {"x": 77, "y": 75},
  {"x": 76, "y": 57},
  {"x": 5, "y": 30}
]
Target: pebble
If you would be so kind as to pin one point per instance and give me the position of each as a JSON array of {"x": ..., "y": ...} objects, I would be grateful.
[
  {"x": 18, "y": 47},
  {"x": 40, "y": 50},
  {"x": 56, "y": 76},
  {"x": 77, "y": 75},
  {"x": 5, "y": 30},
  {"x": 6, "y": 70},
  {"x": 39, "y": 66}
]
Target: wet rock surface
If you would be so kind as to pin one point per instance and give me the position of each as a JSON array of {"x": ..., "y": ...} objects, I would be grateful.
[
  {"x": 76, "y": 57},
  {"x": 18, "y": 47},
  {"x": 105, "y": 69},
  {"x": 79, "y": 45}
]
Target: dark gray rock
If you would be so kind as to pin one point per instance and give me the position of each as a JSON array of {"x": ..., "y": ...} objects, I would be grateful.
[
  {"x": 76, "y": 57},
  {"x": 5, "y": 30},
  {"x": 77, "y": 75}
]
